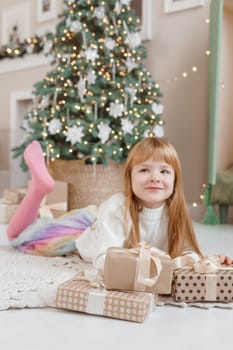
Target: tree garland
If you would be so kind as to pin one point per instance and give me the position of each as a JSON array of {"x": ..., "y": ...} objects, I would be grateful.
[{"x": 33, "y": 45}]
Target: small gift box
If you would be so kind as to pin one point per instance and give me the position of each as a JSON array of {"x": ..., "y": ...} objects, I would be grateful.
[
  {"x": 13, "y": 195},
  {"x": 6, "y": 211},
  {"x": 140, "y": 269},
  {"x": 55, "y": 203},
  {"x": 59, "y": 194},
  {"x": 206, "y": 280},
  {"x": 53, "y": 210},
  {"x": 79, "y": 295}
]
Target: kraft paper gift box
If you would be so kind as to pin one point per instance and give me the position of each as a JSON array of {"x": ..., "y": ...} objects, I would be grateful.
[
  {"x": 13, "y": 195},
  {"x": 79, "y": 295},
  {"x": 53, "y": 210},
  {"x": 6, "y": 211},
  {"x": 55, "y": 203},
  {"x": 204, "y": 281},
  {"x": 140, "y": 269},
  {"x": 59, "y": 194}
]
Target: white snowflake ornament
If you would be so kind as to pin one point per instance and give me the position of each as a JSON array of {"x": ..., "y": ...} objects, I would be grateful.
[
  {"x": 130, "y": 64},
  {"x": 134, "y": 39},
  {"x": 127, "y": 126},
  {"x": 99, "y": 12},
  {"x": 91, "y": 77},
  {"x": 91, "y": 54},
  {"x": 116, "y": 109},
  {"x": 110, "y": 43},
  {"x": 76, "y": 26},
  {"x": 104, "y": 132},
  {"x": 158, "y": 131},
  {"x": 54, "y": 126},
  {"x": 74, "y": 134},
  {"x": 27, "y": 128},
  {"x": 157, "y": 108}
]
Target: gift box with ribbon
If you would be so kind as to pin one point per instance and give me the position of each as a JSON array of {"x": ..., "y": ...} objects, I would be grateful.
[
  {"x": 55, "y": 203},
  {"x": 6, "y": 211},
  {"x": 142, "y": 268},
  {"x": 14, "y": 195},
  {"x": 205, "y": 280},
  {"x": 79, "y": 294}
]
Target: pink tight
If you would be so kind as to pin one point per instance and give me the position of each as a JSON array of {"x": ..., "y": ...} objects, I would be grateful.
[{"x": 41, "y": 184}]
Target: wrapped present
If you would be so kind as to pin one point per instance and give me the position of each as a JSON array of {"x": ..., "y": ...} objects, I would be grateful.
[
  {"x": 140, "y": 269},
  {"x": 13, "y": 195},
  {"x": 6, "y": 211},
  {"x": 79, "y": 295},
  {"x": 205, "y": 280},
  {"x": 53, "y": 210},
  {"x": 59, "y": 194},
  {"x": 55, "y": 203}
]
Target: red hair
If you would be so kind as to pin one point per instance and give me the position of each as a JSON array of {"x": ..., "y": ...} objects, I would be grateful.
[{"x": 180, "y": 227}]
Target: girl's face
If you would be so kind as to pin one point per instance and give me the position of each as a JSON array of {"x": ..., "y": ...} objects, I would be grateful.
[{"x": 152, "y": 182}]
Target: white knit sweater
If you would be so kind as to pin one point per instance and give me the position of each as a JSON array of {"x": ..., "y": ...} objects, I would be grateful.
[{"x": 109, "y": 230}]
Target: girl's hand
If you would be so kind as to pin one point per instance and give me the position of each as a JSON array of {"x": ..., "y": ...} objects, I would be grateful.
[{"x": 225, "y": 260}]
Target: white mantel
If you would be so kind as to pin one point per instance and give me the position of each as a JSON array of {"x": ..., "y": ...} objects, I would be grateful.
[{"x": 25, "y": 62}]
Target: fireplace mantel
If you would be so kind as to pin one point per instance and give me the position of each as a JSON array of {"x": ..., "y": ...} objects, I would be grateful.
[{"x": 26, "y": 62}]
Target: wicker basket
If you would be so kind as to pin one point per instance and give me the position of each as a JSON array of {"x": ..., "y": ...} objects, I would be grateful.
[{"x": 87, "y": 183}]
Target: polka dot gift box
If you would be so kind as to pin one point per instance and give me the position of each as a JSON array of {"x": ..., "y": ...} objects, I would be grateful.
[
  {"x": 79, "y": 295},
  {"x": 204, "y": 281}
]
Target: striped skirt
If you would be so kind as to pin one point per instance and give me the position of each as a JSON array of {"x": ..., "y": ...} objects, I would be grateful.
[{"x": 55, "y": 237}]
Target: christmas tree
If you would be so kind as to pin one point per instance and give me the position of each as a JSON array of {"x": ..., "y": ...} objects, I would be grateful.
[{"x": 98, "y": 99}]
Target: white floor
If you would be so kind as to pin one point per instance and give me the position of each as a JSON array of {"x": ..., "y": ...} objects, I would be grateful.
[{"x": 168, "y": 327}]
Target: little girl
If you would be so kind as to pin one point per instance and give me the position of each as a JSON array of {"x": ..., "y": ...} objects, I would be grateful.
[{"x": 151, "y": 209}]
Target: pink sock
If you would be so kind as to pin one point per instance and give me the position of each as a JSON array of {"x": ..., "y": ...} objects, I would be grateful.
[{"x": 41, "y": 184}]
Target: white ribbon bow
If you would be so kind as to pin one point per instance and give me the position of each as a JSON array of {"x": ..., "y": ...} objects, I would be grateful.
[{"x": 208, "y": 264}]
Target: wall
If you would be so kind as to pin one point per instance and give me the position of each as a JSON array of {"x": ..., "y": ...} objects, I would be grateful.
[
  {"x": 179, "y": 41},
  {"x": 225, "y": 120}
]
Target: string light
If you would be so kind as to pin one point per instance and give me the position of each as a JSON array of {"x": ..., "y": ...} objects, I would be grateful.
[
  {"x": 69, "y": 61},
  {"x": 184, "y": 75}
]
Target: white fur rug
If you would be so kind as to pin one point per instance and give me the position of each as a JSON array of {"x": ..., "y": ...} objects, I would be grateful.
[{"x": 32, "y": 281}]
